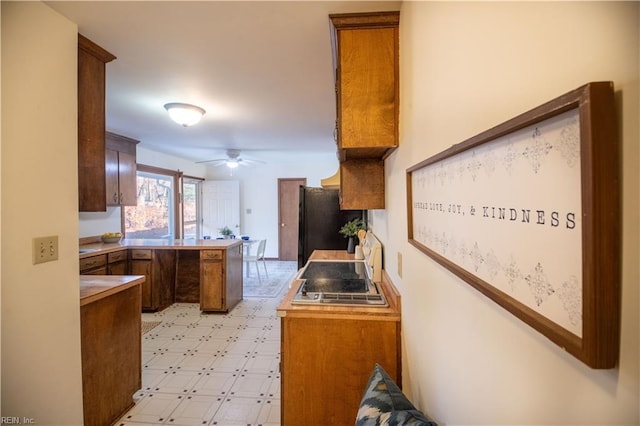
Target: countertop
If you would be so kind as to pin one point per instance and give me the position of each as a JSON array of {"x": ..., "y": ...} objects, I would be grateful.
[
  {"x": 192, "y": 244},
  {"x": 391, "y": 312},
  {"x": 96, "y": 287}
]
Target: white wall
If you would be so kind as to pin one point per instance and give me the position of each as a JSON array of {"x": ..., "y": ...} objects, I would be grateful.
[
  {"x": 259, "y": 190},
  {"x": 466, "y": 67},
  {"x": 41, "y": 367},
  {"x": 158, "y": 159}
]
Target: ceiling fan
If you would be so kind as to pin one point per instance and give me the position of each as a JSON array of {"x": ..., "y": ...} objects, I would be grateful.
[{"x": 232, "y": 161}]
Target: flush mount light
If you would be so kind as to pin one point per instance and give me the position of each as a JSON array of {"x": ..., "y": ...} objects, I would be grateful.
[{"x": 184, "y": 114}]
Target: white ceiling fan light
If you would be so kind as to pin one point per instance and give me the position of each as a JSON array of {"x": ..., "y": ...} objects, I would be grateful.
[
  {"x": 184, "y": 114},
  {"x": 234, "y": 158}
]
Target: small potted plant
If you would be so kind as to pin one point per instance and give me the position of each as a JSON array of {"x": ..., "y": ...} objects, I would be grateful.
[
  {"x": 225, "y": 232},
  {"x": 350, "y": 230}
]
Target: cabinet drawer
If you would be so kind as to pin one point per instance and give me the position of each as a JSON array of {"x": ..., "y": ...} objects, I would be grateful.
[
  {"x": 211, "y": 254},
  {"x": 93, "y": 262},
  {"x": 140, "y": 254},
  {"x": 117, "y": 256}
]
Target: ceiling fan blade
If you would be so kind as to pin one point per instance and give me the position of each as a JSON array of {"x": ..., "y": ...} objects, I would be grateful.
[{"x": 221, "y": 160}]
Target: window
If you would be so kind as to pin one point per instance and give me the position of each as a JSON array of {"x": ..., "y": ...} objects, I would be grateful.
[
  {"x": 191, "y": 212},
  {"x": 155, "y": 214}
]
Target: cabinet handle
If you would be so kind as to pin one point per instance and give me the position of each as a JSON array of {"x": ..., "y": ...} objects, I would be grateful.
[
  {"x": 121, "y": 197},
  {"x": 115, "y": 197}
]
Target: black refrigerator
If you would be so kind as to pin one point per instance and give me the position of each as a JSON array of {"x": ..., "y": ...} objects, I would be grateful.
[{"x": 320, "y": 220}]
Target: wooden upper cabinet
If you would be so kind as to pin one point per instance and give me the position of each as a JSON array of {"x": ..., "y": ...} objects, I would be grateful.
[
  {"x": 367, "y": 89},
  {"x": 362, "y": 184},
  {"x": 91, "y": 125},
  {"x": 120, "y": 166}
]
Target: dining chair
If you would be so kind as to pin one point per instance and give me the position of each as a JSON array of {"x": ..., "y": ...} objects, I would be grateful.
[{"x": 258, "y": 257}]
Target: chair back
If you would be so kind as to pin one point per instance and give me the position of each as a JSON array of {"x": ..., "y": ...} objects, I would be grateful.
[{"x": 260, "y": 252}]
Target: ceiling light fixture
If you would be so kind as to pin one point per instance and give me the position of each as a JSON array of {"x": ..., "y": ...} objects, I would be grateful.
[
  {"x": 232, "y": 163},
  {"x": 184, "y": 114}
]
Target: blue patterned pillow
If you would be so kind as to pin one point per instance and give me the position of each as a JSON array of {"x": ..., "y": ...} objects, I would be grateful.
[{"x": 383, "y": 403}]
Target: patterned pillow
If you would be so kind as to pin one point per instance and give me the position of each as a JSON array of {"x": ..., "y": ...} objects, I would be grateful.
[{"x": 383, "y": 403}]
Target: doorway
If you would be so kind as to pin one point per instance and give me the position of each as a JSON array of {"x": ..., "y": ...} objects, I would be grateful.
[{"x": 288, "y": 207}]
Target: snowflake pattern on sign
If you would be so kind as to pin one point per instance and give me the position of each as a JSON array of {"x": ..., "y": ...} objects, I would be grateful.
[
  {"x": 569, "y": 143},
  {"x": 510, "y": 157},
  {"x": 571, "y": 297},
  {"x": 537, "y": 151},
  {"x": 492, "y": 263},
  {"x": 539, "y": 285},
  {"x": 512, "y": 272},
  {"x": 476, "y": 257},
  {"x": 474, "y": 166},
  {"x": 489, "y": 163}
]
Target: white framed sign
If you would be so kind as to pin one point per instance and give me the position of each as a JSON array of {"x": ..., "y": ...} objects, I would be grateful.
[{"x": 522, "y": 211}]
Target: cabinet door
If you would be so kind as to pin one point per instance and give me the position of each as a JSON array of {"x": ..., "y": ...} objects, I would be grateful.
[
  {"x": 120, "y": 178},
  {"x": 143, "y": 267},
  {"x": 367, "y": 88},
  {"x": 118, "y": 268},
  {"x": 127, "y": 179},
  {"x": 362, "y": 184},
  {"x": 111, "y": 167},
  {"x": 211, "y": 285}
]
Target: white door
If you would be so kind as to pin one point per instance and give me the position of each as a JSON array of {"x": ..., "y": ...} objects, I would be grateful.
[{"x": 220, "y": 206}]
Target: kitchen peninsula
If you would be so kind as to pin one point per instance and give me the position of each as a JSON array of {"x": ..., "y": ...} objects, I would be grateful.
[
  {"x": 328, "y": 352},
  {"x": 208, "y": 272}
]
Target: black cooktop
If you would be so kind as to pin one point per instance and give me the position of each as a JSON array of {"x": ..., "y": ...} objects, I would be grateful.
[
  {"x": 335, "y": 270},
  {"x": 335, "y": 277}
]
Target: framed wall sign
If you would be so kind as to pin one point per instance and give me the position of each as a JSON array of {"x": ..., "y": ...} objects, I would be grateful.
[{"x": 528, "y": 213}]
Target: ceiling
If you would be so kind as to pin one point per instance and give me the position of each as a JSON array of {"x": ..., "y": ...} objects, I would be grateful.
[{"x": 263, "y": 71}]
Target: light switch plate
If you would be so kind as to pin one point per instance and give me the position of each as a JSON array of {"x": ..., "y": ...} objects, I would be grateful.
[
  {"x": 400, "y": 264},
  {"x": 45, "y": 249}
]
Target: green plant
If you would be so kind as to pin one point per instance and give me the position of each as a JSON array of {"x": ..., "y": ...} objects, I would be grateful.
[
  {"x": 351, "y": 228},
  {"x": 225, "y": 231}
]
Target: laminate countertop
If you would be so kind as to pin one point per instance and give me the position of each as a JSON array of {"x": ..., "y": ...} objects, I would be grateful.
[
  {"x": 97, "y": 287},
  {"x": 93, "y": 249}
]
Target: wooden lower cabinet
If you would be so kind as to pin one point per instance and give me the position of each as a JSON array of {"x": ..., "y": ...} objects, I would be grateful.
[
  {"x": 159, "y": 269},
  {"x": 94, "y": 265},
  {"x": 112, "y": 263},
  {"x": 220, "y": 279},
  {"x": 111, "y": 355},
  {"x": 117, "y": 263},
  {"x": 326, "y": 363}
]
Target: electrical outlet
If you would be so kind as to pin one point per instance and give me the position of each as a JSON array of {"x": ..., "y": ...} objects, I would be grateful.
[
  {"x": 45, "y": 249},
  {"x": 400, "y": 264}
]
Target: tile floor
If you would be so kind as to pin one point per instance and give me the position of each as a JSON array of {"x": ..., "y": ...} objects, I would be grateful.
[{"x": 210, "y": 369}]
